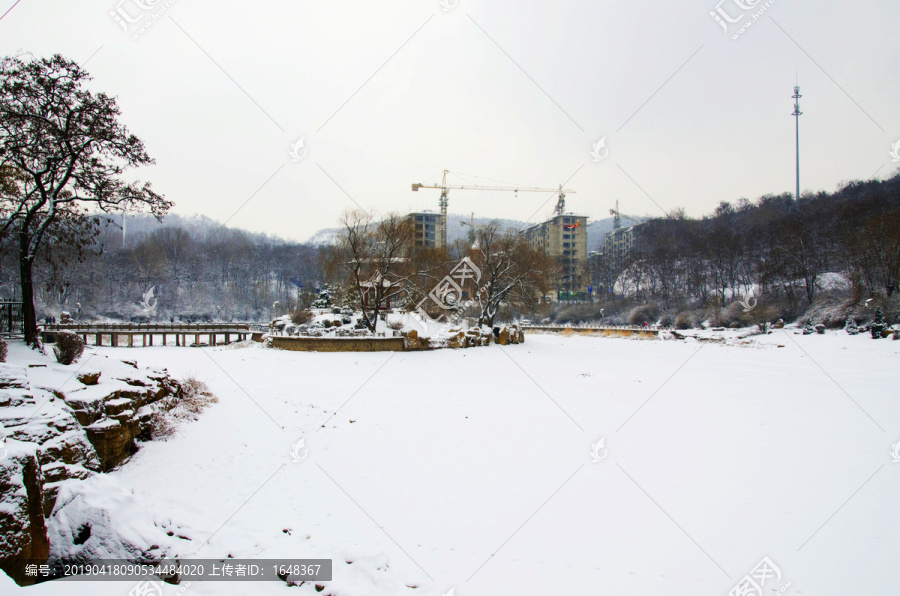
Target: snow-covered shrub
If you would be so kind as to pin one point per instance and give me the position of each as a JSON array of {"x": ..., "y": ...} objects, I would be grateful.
[
  {"x": 667, "y": 320},
  {"x": 68, "y": 348},
  {"x": 808, "y": 328},
  {"x": 684, "y": 320},
  {"x": 324, "y": 299},
  {"x": 195, "y": 398},
  {"x": 850, "y": 327},
  {"x": 646, "y": 313},
  {"x": 3, "y": 349},
  {"x": 299, "y": 317},
  {"x": 878, "y": 326},
  {"x": 820, "y": 329}
]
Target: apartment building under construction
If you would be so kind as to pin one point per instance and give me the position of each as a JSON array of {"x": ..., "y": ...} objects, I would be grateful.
[
  {"x": 564, "y": 237},
  {"x": 427, "y": 229}
]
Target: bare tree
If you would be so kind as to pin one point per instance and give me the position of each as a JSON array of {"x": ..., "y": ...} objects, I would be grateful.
[
  {"x": 372, "y": 260},
  {"x": 512, "y": 272}
]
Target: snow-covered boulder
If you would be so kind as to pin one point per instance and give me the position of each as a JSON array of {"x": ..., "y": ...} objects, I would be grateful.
[{"x": 100, "y": 519}]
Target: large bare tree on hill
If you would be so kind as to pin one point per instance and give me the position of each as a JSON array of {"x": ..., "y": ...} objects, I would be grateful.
[{"x": 68, "y": 152}]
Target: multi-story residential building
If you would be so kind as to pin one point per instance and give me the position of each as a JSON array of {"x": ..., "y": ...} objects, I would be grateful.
[
  {"x": 564, "y": 237},
  {"x": 621, "y": 243},
  {"x": 428, "y": 229}
]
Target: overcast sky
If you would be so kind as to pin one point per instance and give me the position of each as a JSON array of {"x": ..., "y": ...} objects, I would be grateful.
[{"x": 385, "y": 94}]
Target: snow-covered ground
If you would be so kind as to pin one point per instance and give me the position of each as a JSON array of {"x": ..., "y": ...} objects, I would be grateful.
[{"x": 472, "y": 469}]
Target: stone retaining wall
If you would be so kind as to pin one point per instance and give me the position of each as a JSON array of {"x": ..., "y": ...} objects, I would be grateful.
[
  {"x": 337, "y": 344},
  {"x": 597, "y": 331}
]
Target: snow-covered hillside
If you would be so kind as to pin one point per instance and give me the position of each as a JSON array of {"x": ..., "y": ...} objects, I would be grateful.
[
  {"x": 483, "y": 473},
  {"x": 324, "y": 237}
]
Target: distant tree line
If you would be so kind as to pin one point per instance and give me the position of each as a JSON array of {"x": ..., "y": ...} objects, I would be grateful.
[
  {"x": 779, "y": 245},
  {"x": 197, "y": 272}
]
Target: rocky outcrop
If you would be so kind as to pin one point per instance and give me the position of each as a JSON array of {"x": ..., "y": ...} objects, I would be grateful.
[
  {"x": 457, "y": 338},
  {"x": 62, "y": 434},
  {"x": 475, "y": 337},
  {"x": 471, "y": 338},
  {"x": 89, "y": 378},
  {"x": 64, "y": 450},
  {"x": 412, "y": 341},
  {"x": 116, "y": 412},
  {"x": 23, "y": 532},
  {"x": 509, "y": 334}
]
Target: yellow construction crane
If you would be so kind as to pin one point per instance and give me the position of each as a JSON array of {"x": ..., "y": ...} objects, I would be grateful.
[{"x": 445, "y": 189}]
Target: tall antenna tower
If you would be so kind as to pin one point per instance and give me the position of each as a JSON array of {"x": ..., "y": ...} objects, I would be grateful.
[{"x": 797, "y": 113}]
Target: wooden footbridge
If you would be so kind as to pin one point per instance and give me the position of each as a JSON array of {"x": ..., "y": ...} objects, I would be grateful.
[{"x": 124, "y": 334}]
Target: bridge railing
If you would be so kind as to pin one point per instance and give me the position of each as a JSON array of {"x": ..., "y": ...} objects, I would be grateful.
[{"x": 146, "y": 331}]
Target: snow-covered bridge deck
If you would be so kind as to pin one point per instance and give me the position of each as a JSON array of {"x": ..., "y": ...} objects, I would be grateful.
[{"x": 147, "y": 331}]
